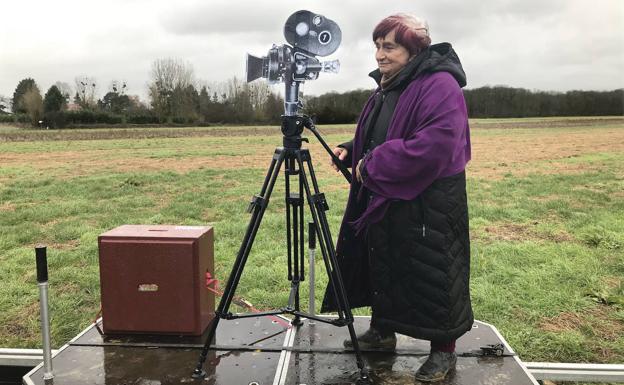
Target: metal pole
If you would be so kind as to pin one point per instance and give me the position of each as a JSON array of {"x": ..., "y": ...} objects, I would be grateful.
[
  {"x": 42, "y": 280},
  {"x": 312, "y": 245},
  {"x": 576, "y": 372}
]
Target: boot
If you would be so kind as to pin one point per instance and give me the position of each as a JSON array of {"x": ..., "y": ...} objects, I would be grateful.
[
  {"x": 436, "y": 367},
  {"x": 373, "y": 339}
]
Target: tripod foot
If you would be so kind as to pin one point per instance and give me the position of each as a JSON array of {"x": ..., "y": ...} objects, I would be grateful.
[
  {"x": 199, "y": 374},
  {"x": 296, "y": 321}
]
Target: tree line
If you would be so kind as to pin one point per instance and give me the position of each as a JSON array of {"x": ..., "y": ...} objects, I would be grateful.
[
  {"x": 508, "y": 102},
  {"x": 177, "y": 97},
  {"x": 486, "y": 102}
]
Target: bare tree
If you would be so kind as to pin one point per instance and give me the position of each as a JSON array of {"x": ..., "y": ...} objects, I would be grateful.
[
  {"x": 86, "y": 89},
  {"x": 118, "y": 87},
  {"x": 259, "y": 93},
  {"x": 217, "y": 91},
  {"x": 65, "y": 88},
  {"x": 168, "y": 75}
]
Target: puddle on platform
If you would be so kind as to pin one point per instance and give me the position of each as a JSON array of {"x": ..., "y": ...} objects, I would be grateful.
[{"x": 383, "y": 370}]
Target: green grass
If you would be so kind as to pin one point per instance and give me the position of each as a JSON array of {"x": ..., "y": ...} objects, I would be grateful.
[{"x": 547, "y": 246}]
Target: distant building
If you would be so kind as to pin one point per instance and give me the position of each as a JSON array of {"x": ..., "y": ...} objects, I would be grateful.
[{"x": 73, "y": 107}]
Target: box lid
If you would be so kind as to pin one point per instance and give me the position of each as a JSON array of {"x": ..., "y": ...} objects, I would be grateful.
[{"x": 157, "y": 231}]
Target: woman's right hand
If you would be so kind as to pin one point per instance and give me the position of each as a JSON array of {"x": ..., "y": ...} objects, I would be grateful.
[{"x": 341, "y": 153}]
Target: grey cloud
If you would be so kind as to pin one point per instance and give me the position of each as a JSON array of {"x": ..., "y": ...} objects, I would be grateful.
[
  {"x": 224, "y": 19},
  {"x": 554, "y": 44}
]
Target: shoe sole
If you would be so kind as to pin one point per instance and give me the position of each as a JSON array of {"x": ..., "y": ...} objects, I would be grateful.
[
  {"x": 435, "y": 379},
  {"x": 441, "y": 377}
]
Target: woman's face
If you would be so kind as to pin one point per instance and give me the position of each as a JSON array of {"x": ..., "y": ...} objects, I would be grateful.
[{"x": 390, "y": 55}]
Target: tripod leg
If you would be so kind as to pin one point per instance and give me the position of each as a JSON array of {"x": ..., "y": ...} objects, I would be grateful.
[
  {"x": 259, "y": 205},
  {"x": 324, "y": 234},
  {"x": 287, "y": 173},
  {"x": 329, "y": 255},
  {"x": 301, "y": 233},
  {"x": 293, "y": 211}
]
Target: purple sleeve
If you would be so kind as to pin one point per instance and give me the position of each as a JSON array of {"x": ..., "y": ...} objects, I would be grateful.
[{"x": 431, "y": 139}]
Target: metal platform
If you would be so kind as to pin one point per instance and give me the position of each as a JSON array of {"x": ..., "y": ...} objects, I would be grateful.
[{"x": 264, "y": 352}]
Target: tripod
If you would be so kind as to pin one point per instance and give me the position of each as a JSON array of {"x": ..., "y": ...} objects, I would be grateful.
[{"x": 296, "y": 161}]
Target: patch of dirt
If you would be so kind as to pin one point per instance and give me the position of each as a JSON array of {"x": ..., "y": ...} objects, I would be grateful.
[
  {"x": 567, "y": 321},
  {"x": 612, "y": 282},
  {"x": 596, "y": 319},
  {"x": 71, "y": 244},
  {"x": 65, "y": 288},
  {"x": 7, "y": 206},
  {"x": 195, "y": 163},
  {"x": 142, "y": 132},
  {"x": 16, "y": 326},
  {"x": 67, "y": 164},
  {"x": 508, "y": 232},
  {"x": 520, "y": 232},
  {"x": 546, "y": 122},
  {"x": 493, "y": 156},
  {"x": 85, "y": 164}
]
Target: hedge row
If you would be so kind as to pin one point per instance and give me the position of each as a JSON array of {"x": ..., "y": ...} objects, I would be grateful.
[
  {"x": 14, "y": 118},
  {"x": 62, "y": 119}
]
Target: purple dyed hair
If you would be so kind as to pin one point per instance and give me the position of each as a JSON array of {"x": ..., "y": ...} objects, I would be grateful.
[{"x": 409, "y": 31}]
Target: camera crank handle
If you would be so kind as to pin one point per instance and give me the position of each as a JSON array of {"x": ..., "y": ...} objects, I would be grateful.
[{"x": 345, "y": 172}]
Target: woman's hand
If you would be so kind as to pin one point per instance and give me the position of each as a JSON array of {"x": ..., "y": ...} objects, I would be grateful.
[{"x": 341, "y": 153}]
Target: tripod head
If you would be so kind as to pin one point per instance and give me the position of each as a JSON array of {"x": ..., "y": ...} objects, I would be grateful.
[{"x": 292, "y": 128}]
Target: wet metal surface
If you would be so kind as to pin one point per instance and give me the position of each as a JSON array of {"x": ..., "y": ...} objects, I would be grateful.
[
  {"x": 115, "y": 365},
  {"x": 245, "y": 332},
  {"x": 250, "y": 351},
  {"x": 394, "y": 369},
  {"x": 320, "y": 336},
  {"x": 317, "y": 358}
]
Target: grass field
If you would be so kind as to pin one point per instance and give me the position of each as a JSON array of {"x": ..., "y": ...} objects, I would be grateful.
[{"x": 546, "y": 201}]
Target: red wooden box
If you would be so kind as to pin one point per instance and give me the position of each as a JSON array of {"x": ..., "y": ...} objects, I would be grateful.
[{"x": 153, "y": 279}]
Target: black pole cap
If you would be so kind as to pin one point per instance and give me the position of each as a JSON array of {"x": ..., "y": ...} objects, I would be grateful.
[{"x": 42, "y": 263}]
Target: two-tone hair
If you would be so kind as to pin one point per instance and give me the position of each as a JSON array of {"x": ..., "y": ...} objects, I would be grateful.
[{"x": 409, "y": 31}]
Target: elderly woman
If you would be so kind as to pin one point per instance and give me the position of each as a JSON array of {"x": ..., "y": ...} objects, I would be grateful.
[{"x": 403, "y": 247}]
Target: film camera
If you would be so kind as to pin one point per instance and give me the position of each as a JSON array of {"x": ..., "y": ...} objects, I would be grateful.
[{"x": 309, "y": 35}]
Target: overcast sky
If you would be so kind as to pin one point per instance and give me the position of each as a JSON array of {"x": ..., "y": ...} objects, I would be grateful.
[{"x": 536, "y": 44}]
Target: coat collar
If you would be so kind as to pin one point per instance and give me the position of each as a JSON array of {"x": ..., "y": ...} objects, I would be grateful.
[{"x": 438, "y": 57}]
